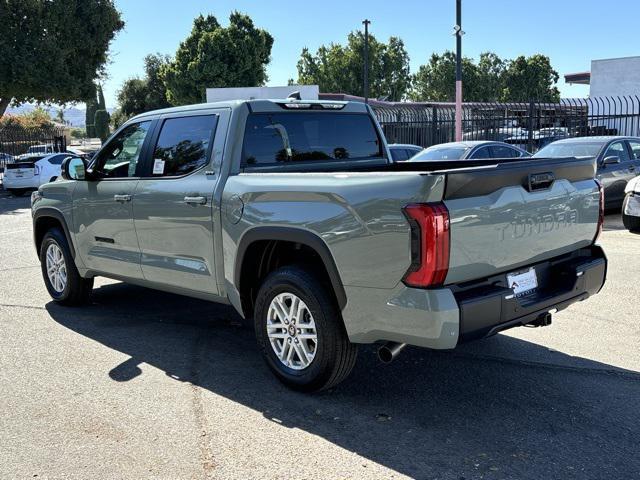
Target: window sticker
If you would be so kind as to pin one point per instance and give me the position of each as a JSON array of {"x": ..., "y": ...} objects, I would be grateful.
[{"x": 158, "y": 166}]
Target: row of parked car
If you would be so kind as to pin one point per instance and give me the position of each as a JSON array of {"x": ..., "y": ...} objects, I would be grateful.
[
  {"x": 41, "y": 164},
  {"x": 618, "y": 163}
]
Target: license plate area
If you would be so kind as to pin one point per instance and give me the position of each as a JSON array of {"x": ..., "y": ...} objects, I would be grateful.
[{"x": 523, "y": 283}]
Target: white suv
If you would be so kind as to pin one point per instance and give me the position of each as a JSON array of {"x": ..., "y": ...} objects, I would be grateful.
[{"x": 30, "y": 171}]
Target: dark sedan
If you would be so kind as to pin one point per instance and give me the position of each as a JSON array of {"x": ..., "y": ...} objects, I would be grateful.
[
  {"x": 618, "y": 161},
  {"x": 469, "y": 150},
  {"x": 403, "y": 151}
]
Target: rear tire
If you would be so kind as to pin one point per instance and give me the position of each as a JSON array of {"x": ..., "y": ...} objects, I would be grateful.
[
  {"x": 330, "y": 356},
  {"x": 631, "y": 223},
  {"x": 61, "y": 277}
]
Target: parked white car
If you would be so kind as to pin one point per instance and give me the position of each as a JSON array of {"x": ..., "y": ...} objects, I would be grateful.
[
  {"x": 28, "y": 172},
  {"x": 631, "y": 205},
  {"x": 41, "y": 149}
]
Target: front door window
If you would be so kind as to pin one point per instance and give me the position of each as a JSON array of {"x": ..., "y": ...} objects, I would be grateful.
[
  {"x": 119, "y": 158},
  {"x": 619, "y": 150}
]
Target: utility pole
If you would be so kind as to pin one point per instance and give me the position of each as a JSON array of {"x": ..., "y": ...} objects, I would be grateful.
[
  {"x": 457, "y": 31},
  {"x": 366, "y": 60}
]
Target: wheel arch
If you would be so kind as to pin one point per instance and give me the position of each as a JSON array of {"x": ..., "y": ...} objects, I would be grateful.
[
  {"x": 46, "y": 218},
  {"x": 259, "y": 241}
]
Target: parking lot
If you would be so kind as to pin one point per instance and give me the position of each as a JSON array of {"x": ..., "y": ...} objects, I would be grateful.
[{"x": 147, "y": 384}]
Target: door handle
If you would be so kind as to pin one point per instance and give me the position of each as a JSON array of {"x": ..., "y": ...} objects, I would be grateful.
[
  {"x": 195, "y": 200},
  {"x": 122, "y": 198},
  {"x": 632, "y": 168}
]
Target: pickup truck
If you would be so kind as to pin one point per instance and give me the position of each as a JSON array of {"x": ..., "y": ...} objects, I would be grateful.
[{"x": 293, "y": 212}]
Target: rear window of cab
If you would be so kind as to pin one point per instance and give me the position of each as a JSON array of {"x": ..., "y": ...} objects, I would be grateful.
[{"x": 276, "y": 138}]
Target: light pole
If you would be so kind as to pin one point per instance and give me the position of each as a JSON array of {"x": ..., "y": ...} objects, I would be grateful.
[
  {"x": 366, "y": 60},
  {"x": 458, "y": 33}
]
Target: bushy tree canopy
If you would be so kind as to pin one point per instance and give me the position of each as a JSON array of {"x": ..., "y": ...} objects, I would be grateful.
[
  {"x": 216, "y": 56},
  {"x": 53, "y": 50},
  {"x": 531, "y": 78},
  {"x": 37, "y": 118},
  {"x": 139, "y": 95},
  {"x": 491, "y": 79},
  {"x": 340, "y": 69}
]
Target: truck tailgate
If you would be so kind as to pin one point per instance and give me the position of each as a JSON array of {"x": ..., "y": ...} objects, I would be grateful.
[{"x": 508, "y": 216}]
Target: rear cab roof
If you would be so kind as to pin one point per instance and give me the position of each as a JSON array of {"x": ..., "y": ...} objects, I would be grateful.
[{"x": 259, "y": 106}]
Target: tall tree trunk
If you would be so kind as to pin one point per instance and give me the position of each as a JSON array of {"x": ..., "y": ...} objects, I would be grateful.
[{"x": 4, "y": 103}]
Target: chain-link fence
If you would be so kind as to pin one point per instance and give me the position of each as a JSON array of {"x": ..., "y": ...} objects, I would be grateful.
[{"x": 530, "y": 125}]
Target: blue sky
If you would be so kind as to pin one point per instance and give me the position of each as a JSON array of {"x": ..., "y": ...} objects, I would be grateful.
[{"x": 570, "y": 32}]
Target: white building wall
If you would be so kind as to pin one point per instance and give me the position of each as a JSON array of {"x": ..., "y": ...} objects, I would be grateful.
[
  {"x": 615, "y": 76},
  {"x": 618, "y": 78}
]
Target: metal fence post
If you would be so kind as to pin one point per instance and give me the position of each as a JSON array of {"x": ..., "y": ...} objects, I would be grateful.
[
  {"x": 530, "y": 127},
  {"x": 434, "y": 126}
]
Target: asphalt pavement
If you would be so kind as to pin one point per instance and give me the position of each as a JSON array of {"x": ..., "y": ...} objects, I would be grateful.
[{"x": 143, "y": 384}]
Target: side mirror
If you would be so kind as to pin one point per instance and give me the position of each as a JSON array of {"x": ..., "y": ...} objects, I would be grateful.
[
  {"x": 611, "y": 160},
  {"x": 74, "y": 168}
]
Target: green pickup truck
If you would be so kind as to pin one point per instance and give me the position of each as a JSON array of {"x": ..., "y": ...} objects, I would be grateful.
[{"x": 292, "y": 212}]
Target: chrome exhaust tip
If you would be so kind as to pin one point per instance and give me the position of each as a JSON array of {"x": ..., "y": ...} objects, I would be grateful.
[{"x": 389, "y": 351}]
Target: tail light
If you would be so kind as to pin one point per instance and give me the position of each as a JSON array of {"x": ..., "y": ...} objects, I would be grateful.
[
  {"x": 429, "y": 244},
  {"x": 600, "y": 211}
]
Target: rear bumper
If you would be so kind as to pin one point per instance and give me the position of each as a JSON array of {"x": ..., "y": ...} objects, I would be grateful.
[
  {"x": 10, "y": 182},
  {"x": 445, "y": 317},
  {"x": 490, "y": 308}
]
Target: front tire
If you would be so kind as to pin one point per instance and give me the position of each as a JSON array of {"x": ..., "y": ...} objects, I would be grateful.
[
  {"x": 61, "y": 277},
  {"x": 300, "y": 331},
  {"x": 630, "y": 222}
]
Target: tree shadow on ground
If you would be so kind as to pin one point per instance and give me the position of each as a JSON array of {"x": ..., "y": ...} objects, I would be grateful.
[{"x": 470, "y": 413}]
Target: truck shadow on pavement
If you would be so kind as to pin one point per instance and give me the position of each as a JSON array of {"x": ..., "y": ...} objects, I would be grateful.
[{"x": 479, "y": 411}]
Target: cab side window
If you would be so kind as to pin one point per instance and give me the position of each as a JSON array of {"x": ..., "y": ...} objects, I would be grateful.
[
  {"x": 57, "y": 159},
  {"x": 482, "y": 152},
  {"x": 502, "y": 151},
  {"x": 119, "y": 158},
  {"x": 617, "y": 149},
  {"x": 183, "y": 145},
  {"x": 635, "y": 149},
  {"x": 399, "y": 154}
]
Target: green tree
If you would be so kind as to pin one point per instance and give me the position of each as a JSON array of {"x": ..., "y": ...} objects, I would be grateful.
[
  {"x": 90, "y": 114},
  {"x": 118, "y": 118},
  {"x": 340, "y": 69},
  {"x": 60, "y": 115},
  {"x": 77, "y": 133},
  {"x": 101, "y": 103},
  {"x": 36, "y": 118},
  {"x": 139, "y": 95},
  {"x": 435, "y": 81},
  {"x": 491, "y": 79},
  {"x": 215, "y": 56},
  {"x": 53, "y": 50},
  {"x": 156, "y": 94},
  {"x": 531, "y": 78},
  {"x": 102, "y": 124}
]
